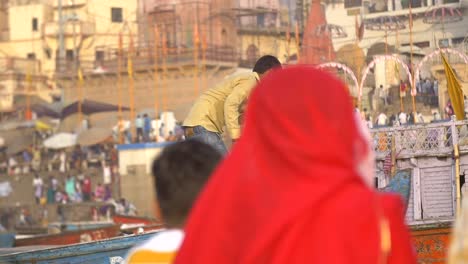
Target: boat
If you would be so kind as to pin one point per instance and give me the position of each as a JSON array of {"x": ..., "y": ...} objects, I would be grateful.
[
  {"x": 136, "y": 229},
  {"x": 70, "y": 237},
  {"x": 432, "y": 242},
  {"x": 7, "y": 239},
  {"x": 21, "y": 230},
  {"x": 108, "y": 251},
  {"x": 126, "y": 219},
  {"x": 73, "y": 226},
  {"x": 435, "y": 154}
]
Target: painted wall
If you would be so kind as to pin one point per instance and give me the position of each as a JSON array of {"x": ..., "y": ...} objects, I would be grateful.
[{"x": 267, "y": 45}]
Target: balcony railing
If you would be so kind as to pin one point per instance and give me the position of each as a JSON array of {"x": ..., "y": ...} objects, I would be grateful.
[
  {"x": 67, "y": 4},
  {"x": 433, "y": 139},
  {"x": 20, "y": 65},
  {"x": 420, "y": 7},
  {"x": 70, "y": 28}
]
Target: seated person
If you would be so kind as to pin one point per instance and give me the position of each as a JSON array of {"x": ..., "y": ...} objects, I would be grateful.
[{"x": 180, "y": 172}]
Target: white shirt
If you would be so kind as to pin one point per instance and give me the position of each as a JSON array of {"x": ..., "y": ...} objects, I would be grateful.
[
  {"x": 107, "y": 175},
  {"x": 37, "y": 182},
  {"x": 382, "y": 119},
  {"x": 403, "y": 118},
  {"x": 164, "y": 242},
  {"x": 12, "y": 162}
]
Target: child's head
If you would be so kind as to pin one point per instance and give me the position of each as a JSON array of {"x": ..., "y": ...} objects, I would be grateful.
[{"x": 180, "y": 172}]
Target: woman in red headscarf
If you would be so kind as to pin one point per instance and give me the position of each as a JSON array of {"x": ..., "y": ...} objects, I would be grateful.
[{"x": 297, "y": 187}]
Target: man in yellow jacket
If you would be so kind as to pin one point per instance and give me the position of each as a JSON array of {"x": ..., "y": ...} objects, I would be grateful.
[{"x": 219, "y": 106}]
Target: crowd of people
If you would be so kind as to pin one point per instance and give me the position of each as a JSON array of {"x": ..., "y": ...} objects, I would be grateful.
[
  {"x": 146, "y": 130},
  {"x": 63, "y": 176}
]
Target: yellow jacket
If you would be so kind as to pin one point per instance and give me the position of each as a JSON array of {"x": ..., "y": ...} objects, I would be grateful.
[{"x": 219, "y": 106}]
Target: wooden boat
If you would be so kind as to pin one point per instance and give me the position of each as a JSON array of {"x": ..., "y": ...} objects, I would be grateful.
[
  {"x": 432, "y": 242},
  {"x": 126, "y": 219},
  {"x": 7, "y": 239},
  {"x": 73, "y": 226},
  {"x": 20, "y": 230},
  {"x": 138, "y": 229},
  {"x": 70, "y": 237},
  {"x": 109, "y": 251}
]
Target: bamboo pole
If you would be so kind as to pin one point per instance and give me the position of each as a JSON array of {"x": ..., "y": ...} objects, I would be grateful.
[
  {"x": 131, "y": 88},
  {"x": 119, "y": 88},
  {"x": 156, "y": 105},
  {"x": 80, "y": 96},
  {"x": 28, "y": 114},
  {"x": 457, "y": 177},
  {"x": 204, "y": 78},
  {"x": 397, "y": 46},
  {"x": 196, "y": 41},
  {"x": 411, "y": 59},
  {"x": 163, "y": 81},
  {"x": 298, "y": 43},
  {"x": 288, "y": 40}
]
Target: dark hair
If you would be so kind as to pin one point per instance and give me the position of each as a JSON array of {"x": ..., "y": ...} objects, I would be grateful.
[
  {"x": 266, "y": 63},
  {"x": 180, "y": 172}
]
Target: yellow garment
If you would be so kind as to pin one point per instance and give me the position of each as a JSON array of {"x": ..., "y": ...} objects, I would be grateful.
[
  {"x": 160, "y": 249},
  {"x": 458, "y": 252},
  {"x": 42, "y": 126},
  {"x": 454, "y": 90},
  {"x": 220, "y": 106}
]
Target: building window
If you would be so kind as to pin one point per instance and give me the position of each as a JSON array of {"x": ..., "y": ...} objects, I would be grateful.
[
  {"x": 69, "y": 55},
  {"x": 457, "y": 41},
  {"x": 35, "y": 24},
  {"x": 48, "y": 53},
  {"x": 99, "y": 55},
  {"x": 422, "y": 45},
  {"x": 31, "y": 56},
  {"x": 444, "y": 43},
  {"x": 116, "y": 15}
]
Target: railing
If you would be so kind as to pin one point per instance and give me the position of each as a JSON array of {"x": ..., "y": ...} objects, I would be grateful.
[
  {"x": 435, "y": 139},
  {"x": 70, "y": 67},
  {"x": 20, "y": 65},
  {"x": 70, "y": 28},
  {"x": 144, "y": 59}
]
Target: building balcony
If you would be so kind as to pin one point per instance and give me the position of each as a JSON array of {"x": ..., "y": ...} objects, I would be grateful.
[
  {"x": 19, "y": 65},
  {"x": 419, "y": 7},
  {"x": 68, "y": 3},
  {"x": 70, "y": 28}
]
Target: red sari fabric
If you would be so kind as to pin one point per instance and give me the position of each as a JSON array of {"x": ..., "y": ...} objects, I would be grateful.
[{"x": 289, "y": 191}]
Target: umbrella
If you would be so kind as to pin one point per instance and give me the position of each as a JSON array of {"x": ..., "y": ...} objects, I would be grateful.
[
  {"x": 17, "y": 140},
  {"x": 148, "y": 111},
  {"x": 442, "y": 15},
  {"x": 385, "y": 23},
  {"x": 90, "y": 107},
  {"x": 60, "y": 140},
  {"x": 93, "y": 136},
  {"x": 44, "y": 110},
  {"x": 42, "y": 126},
  {"x": 335, "y": 31}
]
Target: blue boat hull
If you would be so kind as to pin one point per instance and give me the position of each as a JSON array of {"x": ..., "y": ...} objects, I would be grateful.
[{"x": 111, "y": 251}]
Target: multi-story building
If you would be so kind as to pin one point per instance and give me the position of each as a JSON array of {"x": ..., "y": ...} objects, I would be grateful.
[
  {"x": 59, "y": 36},
  {"x": 375, "y": 27}
]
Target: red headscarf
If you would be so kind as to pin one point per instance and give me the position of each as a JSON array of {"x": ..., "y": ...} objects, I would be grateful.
[{"x": 290, "y": 191}]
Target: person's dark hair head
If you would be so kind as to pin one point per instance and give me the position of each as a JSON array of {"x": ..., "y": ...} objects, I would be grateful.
[
  {"x": 145, "y": 115},
  {"x": 266, "y": 63},
  {"x": 180, "y": 172}
]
